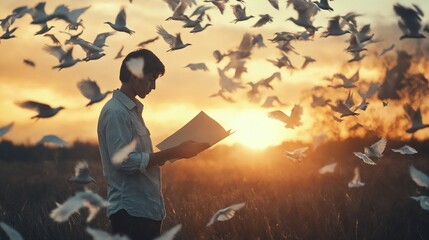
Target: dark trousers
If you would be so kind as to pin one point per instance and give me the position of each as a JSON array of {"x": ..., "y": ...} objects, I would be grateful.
[{"x": 136, "y": 228}]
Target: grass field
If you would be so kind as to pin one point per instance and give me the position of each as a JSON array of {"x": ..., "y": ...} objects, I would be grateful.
[{"x": 284, "y": 199}]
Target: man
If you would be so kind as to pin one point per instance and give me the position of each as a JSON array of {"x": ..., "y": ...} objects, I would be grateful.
[{"x": 134, "y": 186}]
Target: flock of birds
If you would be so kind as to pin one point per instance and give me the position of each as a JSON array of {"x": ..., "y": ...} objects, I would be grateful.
[{"x": 410, "y": 24}]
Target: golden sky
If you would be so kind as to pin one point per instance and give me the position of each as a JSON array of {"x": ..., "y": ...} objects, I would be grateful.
[{"x": 182, "y": 93}]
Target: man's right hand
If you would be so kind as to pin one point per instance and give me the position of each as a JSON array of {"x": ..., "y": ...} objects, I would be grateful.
[{"x": 190, "y": 149}]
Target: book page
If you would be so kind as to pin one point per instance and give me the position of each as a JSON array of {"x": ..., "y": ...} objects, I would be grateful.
[{"x": 202, "y": 128}]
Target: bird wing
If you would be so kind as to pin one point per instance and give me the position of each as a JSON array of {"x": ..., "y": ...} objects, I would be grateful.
[
  {"x": 121, "y": 18},
  {"x": 35, "y": 106},
  {"x": 89, "y": 88},
  {"x": 100, "y": 39},
  {"x": 364, "y": 157},
  {"x": 168, "y": 38},
  {"x": 379, "y": 146},
  {"x": 279, "y": 115},
  {"x": 122, "y": 154},
  {"x": 56, "y": 51}
]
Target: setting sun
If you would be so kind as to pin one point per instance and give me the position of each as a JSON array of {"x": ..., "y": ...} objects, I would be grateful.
[{"x": 254, "y": 129}]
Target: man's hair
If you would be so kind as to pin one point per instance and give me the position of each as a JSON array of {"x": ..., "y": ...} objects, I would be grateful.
[{"x": 152, "y": 64}]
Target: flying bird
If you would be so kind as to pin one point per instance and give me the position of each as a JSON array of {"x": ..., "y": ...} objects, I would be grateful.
[
  {"x": 240, "y": 13},
  {"x": 323, "y": 4},
  {"x": 297, "y": 155},
  {"x": 29, "y": 62},
  {"x": 119, "y": 54},
  {"x": 91, "y": 91},
  {"x": 52, "y": 140},
  {"x": 415, "y": 117},
  {"x": 419, "y": 177},
  {"x": 423, "y": 200},
  {"x": 385, "y": 50},
  {"x": 330, "y": 168},
  {"x": 87, "y": 199},
  {"x": 410, "y": 23},
  {"x": 405, "y": 150},
  {"x": 292, "y": 121},
  {"x": 65, "y": 58},
  {"x": 81, "y": 174},
  {"x": 355, "y": 182},
  {"x": 225, "y": 214},
  {"x": 120, "y": 22},
  {"x": 375, "y": 150},
  {"x": 197, "y": 66},
  {"x": 175, "y": 42},
  {"x": 43, "y": 110},
  {"x": 264, "y": 19},
  {"x": 145, "y": 42}
]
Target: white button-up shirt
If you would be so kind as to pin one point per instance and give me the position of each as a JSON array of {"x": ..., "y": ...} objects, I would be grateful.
[{"x": 130, "y": 186}]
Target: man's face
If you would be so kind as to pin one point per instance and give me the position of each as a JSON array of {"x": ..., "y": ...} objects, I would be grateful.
[{"x": 145, "y": 85}]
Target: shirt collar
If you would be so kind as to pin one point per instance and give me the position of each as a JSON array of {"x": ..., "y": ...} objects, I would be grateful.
[{"x": 124, "y": 99}]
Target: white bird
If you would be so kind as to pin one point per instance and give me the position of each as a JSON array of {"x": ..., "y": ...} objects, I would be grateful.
[
  {"x": 355, "y": 182},
  {"x": 97, "y": 234},
  {"x": 122, "y": 154},
  {"x": 292, "y": 121},
  {"x": 136, "y": 67},
  {"x": 297, "y": 154},
  {"x": 225, "y": 213},
  {"x": 87, "y": 199},
  {"x": 405, "y": 150},
  {"x": 375, "y": 150},
  {"x": 419, "y": 177},
  {"x": 170, "y": 233},
  {"x": 121, "y": 22},
  {"x": 52, "y": 140},
  {"x": 65, "y": 58},
  {"x": 44, "y": 110},
  {"x": 415, "y": 117},
  {"x": 424, "y": 201},
  {"x": 175, "y": 42},
  {"x": 197, "y": 66},
  {"x": 6, "y": 129},
  {"x": 90, "y": 90},
  {"x": 330, "y": 168},
  {"x": 221, "y": 94},
  {"x": 81, "y": 174},
  {"x": 11, "y": 233}
]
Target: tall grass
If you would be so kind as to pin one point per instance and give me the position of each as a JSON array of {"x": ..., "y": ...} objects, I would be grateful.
[{"x": 284, "y": 199}]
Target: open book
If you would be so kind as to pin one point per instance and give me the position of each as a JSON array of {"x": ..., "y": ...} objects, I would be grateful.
[{"x": 201, "y": 128}]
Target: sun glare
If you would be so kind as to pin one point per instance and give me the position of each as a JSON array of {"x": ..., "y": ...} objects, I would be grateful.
[{"x": 254, "y": 129}]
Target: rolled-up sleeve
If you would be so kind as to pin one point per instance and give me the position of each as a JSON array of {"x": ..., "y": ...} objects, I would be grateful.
[{"x": 119, "y": 133}]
